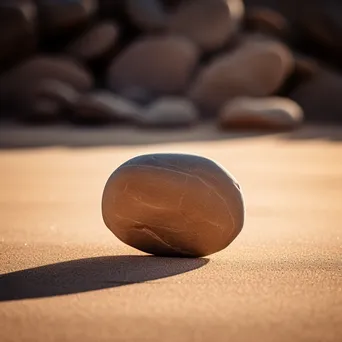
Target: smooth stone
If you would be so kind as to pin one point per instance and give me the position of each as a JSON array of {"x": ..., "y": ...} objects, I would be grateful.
[
  {"x": 20, "y": 82},
  {"x": 161, "y": 65},
  {"x": 147, "y": 14},
  {"x": 272, "y": 113},
  {"x": 63, "y": 15},
  {"x": 95, "y": 42},
  {"x": 209, "y": 24},
  {"x": 256, "y": 68},
  {"x": 170, "y": 112},
  {"x": 173, "y": 205},
  {"x": 321, "y": 97},
  {"x": 104, "y": 106}
]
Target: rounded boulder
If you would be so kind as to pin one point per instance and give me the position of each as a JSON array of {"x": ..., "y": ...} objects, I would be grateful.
[{"x": 173, "y": 205}]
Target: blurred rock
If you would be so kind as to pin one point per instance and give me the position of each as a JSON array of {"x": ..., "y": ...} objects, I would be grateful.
[
  {"x": 210, "y": 24},
  {"x": 95, "y": 42},
  {"x": 56, "y": 16},
  {"x": 139, "y": 95},
  {"x": 321, "y": 97},
  {"x": 18, "y": 85},
  {"x": 18, "y": 36},
  {"x": 170, "y": 112},
  {"x": 267, "y": 21},
  {"x": 161, "y": 65},
  {"x": 271, "y": 113},
  {"x": 147, "y": 14},
  {"x": 104, "y": 107},
  {"x": 256, "y": 68}
]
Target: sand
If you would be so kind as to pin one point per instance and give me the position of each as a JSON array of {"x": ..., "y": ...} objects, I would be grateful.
[{"x": 65, "y": 277}]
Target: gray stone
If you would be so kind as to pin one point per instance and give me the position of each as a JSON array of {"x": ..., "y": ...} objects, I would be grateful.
[
  {"x": 170, "y": 112},
  {"x": 272, "y": 113},
  {"x": 173, "y": 205}
]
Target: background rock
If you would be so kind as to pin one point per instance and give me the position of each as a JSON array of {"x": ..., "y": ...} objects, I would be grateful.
[
  {"x": 170, "y": 112},
  {"x": 209, "y": 24},
  {"x": 162, "y": 65},
  {"x": 95, "y": 42},
  {"x": 257, "y": 68},
  {"x": 271, "y": 113},
  {"x": 105, "y": 107}
]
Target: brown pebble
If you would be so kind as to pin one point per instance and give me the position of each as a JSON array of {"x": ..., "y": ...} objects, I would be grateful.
[
  {"x": 271, "y": 113},
  {"x": 209, "y": 24},
  {"x": 95, "y": 42},
  {"x": 173, "y": 205},
  {"x": 256, "y": 68},
  {"x": 161, "y": 65}
]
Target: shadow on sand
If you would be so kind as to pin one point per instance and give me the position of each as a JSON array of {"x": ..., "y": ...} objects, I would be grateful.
[{"x": 90, "y": 274}]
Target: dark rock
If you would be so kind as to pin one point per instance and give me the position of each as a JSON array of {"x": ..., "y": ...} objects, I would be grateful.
[
  {"x": 173, "y": 205},
  {"x": 19, "y": 84},
  {"x": 105, "y": 107}
]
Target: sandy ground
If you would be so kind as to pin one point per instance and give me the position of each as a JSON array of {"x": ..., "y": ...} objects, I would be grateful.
[{"x": 65, "y": 277}]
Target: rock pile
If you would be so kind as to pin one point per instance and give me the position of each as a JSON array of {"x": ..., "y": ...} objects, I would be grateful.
[{"x": 251, "y": 64}]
